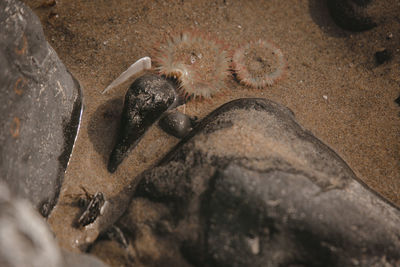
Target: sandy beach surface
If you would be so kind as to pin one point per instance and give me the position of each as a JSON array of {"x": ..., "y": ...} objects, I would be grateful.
[{"x": 332, "y": 84}]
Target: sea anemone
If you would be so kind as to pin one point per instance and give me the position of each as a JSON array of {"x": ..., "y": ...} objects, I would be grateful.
[
  {"x": 200, "y": 63},
  {"x": 258, "y": 64}
]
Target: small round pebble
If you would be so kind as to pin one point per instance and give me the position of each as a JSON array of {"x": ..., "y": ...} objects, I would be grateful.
[
  {"x": 176, "y": 124},
  {"x": 383, "y": 56}
]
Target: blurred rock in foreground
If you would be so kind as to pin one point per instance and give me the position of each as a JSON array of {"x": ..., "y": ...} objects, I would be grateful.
[
  {"x": 25, "y": 239},
  {"x": 40, "y": 107},
  {"x": 250, "y": 187}
]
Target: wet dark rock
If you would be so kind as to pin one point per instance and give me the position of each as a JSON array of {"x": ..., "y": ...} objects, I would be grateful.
[
  {"x": 40, "y": 107},
  {"x": 146, "y": 99},
  {"x": 351, "y": 15},
  {"x": 176, "y": 124},
  {"x": 383, "y": 56},
  {"x": 250, "y": 187}
]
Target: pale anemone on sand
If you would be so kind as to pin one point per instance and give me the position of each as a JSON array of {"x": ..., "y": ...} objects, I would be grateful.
[
  {"x": 259, "y": 64},
  {"x": 199, "y": 63}
]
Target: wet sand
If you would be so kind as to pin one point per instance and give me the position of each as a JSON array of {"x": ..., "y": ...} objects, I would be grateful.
[{"x": 333, "y": 85}]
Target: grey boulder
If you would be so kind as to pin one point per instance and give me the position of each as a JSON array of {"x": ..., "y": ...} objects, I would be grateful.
[
  {"x": 40, "y": 108},
  {"x": 250, "y": 187},
  {"x": 24, "y": 237}
]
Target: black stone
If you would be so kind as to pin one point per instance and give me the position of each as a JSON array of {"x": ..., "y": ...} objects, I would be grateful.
[
  {"x": 398, "y": 100},
  {"x": 146, "y": 99},
  {"x": 176, "y": 124},
  {"x": 383, "y": 56},
  {"x": 40, "y": 108},
  {"x": 248, "y": 186},
  {"x": 351, "y": 15}
]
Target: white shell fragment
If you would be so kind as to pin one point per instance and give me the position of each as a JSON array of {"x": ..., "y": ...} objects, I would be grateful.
[{"x": 142, "y": 64}]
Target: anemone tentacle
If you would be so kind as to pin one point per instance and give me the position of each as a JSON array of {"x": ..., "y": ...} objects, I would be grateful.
[{"x": 199, "y": 62}]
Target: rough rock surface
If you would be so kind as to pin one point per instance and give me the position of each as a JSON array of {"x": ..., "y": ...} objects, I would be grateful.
[
  {"x": 40, "y": 106},
  {"x": 146, "y": 99},
  {"x": 250, "y": 187}
]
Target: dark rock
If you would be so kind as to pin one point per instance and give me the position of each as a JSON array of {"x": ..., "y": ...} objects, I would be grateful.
[
  {"x": 40, "y": 107},
  {"x": 383, "y": 56},
  {"x": 351, "y": 14},
  {"x": 112, "y": 253},
  {"x": 114, "y": 233},
  {"x": 250, "y": 187},
  {"x": 398, "y": 100},
  {"x": 283, "y": 219},
  {"x": 81, "y": 260},
  {"x": 146, "y": 99},
  {"x": 176, "y": 124}
]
